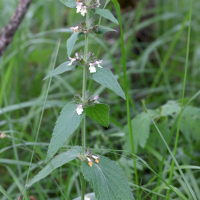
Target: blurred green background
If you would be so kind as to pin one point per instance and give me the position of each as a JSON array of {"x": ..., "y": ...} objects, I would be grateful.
[{"x": 155, "y": 35}]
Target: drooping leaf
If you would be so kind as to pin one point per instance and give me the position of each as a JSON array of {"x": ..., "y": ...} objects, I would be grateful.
[
  {"x": 60, "y": 69},
  {"x": 69, "y": 3},
  {"x": 99, "y": 113},
  {"x": 72, "y": 41},
  {"x": 104, "y": 29},
  {"x": 107, "y": 180},
  {"x": 171, "y": 108},
  {"x": 106, "y": 78},
  {"x": 106, "y": 14},
  {"x": 67, "y": 123},
  {"x": 91, "y": 196},
  {"x": 56, "y": 162},
  {"x": 140, "y": 128}
]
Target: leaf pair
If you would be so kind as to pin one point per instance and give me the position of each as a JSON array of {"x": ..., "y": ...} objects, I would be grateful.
[
  {"x": 69, "y": 121},
  {"x": 102, "y": 76},
  {"x": 106, "y": 178}
]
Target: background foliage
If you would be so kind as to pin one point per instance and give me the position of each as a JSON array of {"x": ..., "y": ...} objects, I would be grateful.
[{"x": 155, "y": 34}]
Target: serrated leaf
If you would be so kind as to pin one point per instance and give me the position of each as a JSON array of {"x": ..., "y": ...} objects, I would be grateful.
[
  {"x": 106, "y": 78},
  {"x": 56, "y": 162},
  {"x": 69, "y": 3},
  {"x": 141, "y": 127},
  {"x": 171, "y": 108},
  {"x": 99, "y": 113},
  {"x": 67, "y": 123},
  {"x": 91, "y": 196},
  {"x": 104, "y": 29},
  {"x": 71, "y": 42},
  {"x": 61, "y": 69},
  {"x": 107, "y": 180},
  {"x": 106, "y": 14}
]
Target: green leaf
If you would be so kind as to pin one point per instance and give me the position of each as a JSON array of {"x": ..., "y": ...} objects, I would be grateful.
[
  {"x": 90, "y": 195},
  {"x": 104, "y": 29},
  {"x": 66, "y": 124},
  {"x": 99, "y": 113},
  {"x": 106, "y": 78},
  {"x": 72, "y": 41},
  {"x": 69, "y": 3},
  {"x": 106, "y": 14},
  {"x": 56, "y": 162},
  {"x": 60, "y": 69},
  {"x": 107, "y": 180},
  {"x": 190, "y": 123},
  {"x": 141, "y": 127},
  {"x": 171, "y": 108}
]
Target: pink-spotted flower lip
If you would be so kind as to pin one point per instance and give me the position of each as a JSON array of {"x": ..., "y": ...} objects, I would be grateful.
[
  {"x": 94, "y": 98},
  {"x": 80, "y": 106},
  {"x": 90, "y": 160},
  {"x": 95, "y": 157},
  {"x": 76, "y": 54},
  {"x": 78, "y": 3}
]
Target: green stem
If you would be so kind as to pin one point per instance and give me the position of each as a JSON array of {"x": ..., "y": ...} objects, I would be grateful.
[
  {"x": 83, "y": 182},
  {"x": 183, "y": 94}
]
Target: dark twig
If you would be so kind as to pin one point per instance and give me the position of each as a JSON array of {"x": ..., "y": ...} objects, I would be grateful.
[{"x": 9, "y": 31}]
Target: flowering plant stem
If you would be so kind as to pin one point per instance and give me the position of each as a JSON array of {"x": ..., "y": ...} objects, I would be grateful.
[{"x": 83, "y": 182}]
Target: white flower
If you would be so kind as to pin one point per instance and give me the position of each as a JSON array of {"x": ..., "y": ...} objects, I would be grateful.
[
  {"x": 75, "y": 29},
  {"x": 79, "y": 109},
  {"x": 78, "y": 7},
  {"x": 95, "y": 157},
  {"x": 98, "y": 3},
  {"x": 83, "y": 11},
  {"x": 98, "y": 63},
  {"x": 2, "y": 136},
  {"x": 92, "y": 68},
  {"x": 87, "y": 198},
  {"x": 72, "y": 60}
]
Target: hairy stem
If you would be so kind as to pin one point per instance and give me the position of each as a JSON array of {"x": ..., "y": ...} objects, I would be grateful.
[{"x": 83, "y": 183}]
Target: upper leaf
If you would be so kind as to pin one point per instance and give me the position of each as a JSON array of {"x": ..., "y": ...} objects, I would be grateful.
[
  {"x": 71, "y": 42},
  {"x": 60, "y": 69},
  {"x": 107, "y": 180},
  {"x": 99, "y": 113},
  {"x": 69, "y": 3},
  {"x": 106, "y": 14},
  {"x": 66, "y": 124},
  {"x": 56, "y": 162},
  {"x": 104, "y": 29},
  {"x": 106, "y": 78}
]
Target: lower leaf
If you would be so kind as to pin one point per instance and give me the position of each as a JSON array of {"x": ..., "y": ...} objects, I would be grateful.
[{"x": 107, "y": 180}]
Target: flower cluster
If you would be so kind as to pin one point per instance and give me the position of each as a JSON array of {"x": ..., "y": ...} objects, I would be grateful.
[
  {"x": 89, "y": 102},
  {"x": 89, "y": 157},
  {"x": 81, "y": 27},
  {"x": 82, "y": 7},
  {"x": 91, "y": 61}
]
